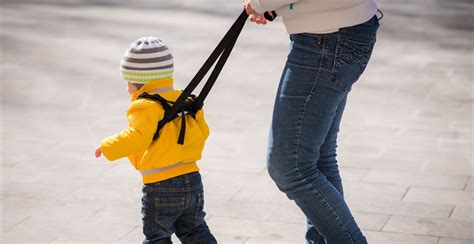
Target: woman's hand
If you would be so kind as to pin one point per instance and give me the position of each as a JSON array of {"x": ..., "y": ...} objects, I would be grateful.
[
  {"x": 254, "y": 16},
  {"x": 98, "y": 152}
]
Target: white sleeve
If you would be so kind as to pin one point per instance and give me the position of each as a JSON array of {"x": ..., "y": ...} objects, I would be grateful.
[{"x": 262, "y": 6}]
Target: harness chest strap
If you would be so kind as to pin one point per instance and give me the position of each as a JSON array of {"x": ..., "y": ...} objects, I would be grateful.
[{"x": 190, "y": 107}]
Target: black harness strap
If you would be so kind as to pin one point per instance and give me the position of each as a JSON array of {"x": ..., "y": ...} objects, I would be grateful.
[
  {"x": 223, "y": 58},
  {"x": 190, "y": 104},
  {"x": 227, "y": 43},
  {"x": 157, "y": 98}
]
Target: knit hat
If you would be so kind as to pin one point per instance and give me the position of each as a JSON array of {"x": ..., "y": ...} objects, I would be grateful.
[{"x": 147, "y": 59}]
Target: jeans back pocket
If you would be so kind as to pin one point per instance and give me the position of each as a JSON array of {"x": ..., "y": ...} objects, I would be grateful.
[
  {"x": 350, "y": 60},
  {"x": 168, "y": 210}
]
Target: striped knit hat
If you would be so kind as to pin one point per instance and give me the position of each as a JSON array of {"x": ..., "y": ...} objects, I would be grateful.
[{"x": 147, "y": 59}]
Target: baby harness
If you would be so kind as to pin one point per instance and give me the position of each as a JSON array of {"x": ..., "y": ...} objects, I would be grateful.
[{"x": 188, "y": 104}]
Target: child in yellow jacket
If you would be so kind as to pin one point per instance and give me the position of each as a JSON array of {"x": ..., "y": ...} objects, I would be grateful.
[{"x": 173, "y": 198}]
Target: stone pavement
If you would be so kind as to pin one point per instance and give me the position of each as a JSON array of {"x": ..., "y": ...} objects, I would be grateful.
[{"x": 406, "y": 140}]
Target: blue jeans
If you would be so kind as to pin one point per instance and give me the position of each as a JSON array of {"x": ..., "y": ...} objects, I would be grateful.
[
  {"x": 176, "y": 206},
  {"x": 318, "y": 75}
]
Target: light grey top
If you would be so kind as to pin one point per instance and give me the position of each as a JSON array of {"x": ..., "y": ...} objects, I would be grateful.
[{"x": 318, "y": 16}]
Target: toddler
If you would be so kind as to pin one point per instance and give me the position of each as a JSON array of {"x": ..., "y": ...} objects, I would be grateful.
[{"x": 173, "y": 197}]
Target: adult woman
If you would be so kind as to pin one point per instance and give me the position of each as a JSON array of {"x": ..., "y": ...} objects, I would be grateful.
[{"x": 331, "y": 44}]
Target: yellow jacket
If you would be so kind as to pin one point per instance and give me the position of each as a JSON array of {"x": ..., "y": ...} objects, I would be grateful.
[{"x": 163, "y": 158}]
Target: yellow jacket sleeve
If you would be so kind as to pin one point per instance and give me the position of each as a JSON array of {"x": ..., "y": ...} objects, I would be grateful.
[
  {"x": 143, "y": 118},
  {"x": 202, "y": 123}
]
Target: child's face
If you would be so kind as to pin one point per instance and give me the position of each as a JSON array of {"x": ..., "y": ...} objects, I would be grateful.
[{"x": 131, "y": 88}]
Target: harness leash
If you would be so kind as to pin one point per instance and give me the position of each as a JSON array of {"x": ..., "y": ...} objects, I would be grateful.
[{"x": 191, "y": 104}]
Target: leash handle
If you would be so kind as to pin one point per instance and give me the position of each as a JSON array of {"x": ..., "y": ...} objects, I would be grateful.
[{"x": 270, "y": 17}]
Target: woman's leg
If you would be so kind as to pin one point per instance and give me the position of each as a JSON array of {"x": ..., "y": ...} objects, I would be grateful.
[
  {"x": 317, "y": 78},
  {"x": 327, "y": 164}
]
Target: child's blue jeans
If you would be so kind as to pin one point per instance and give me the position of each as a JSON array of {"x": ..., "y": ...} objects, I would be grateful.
[
  {"x": 176, "y": 206},
  {"x": 318, "y": 75}
]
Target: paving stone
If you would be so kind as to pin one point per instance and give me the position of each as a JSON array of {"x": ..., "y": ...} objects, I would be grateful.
[
  {"x": 398, "y": 238},
  {"x": 432, "y": 161},
  {"x": 450, "y": 167},
  {"x": 87, "y": 231},
  {"x": 267, "y": 194},
  {"x": 442, "y": 196},
  {"x": 221, "y": 239},
  {"x": 436, "y": 124},
  {"x": 21, "y": 210},
  {"x": 114, "y": 215},
  {"x": 468, "y": 186},
  {"x": 370, "y": 221},
  {"x": 358, "y": 131},
  {"x": 240, "y": 210},
  {"x": 101, "y": 197},
  {"x": 238, "y": 179},
  {"x": 413, "y": 143},
  {"x": 391, "y": 206},
  {"x": 134, "y": 235},
  {"x": 249, "y": 158},
  {"x": 230, "y": 239},
  {"x": 53, "y": 174},
  {"x": 456, "y": 144},
  {"x": 426, "y": 226},
  {"x": 26, "y": 242},
  {"x": 379, "y": 191},
  {"x": 435, "y": 133},
  {"x": 357, "y": 148},
  {"x": 251, "y": 188},
  {"x": 383, "y": 162},
  {"x": 464, "y": 126},
  {"x": 102, "y": 242},
  {"x": 352, "y": 174},
  {"x": 265, "y": 241},
  {"x": 223, "y": 185},
  {"x": 366, "y": 221},
  {"x": 450, "y": 163},
  {"x": 14, "y": 146},
  {"x": 258, "y": 229},
  {"x": 288, "y": 214},
  {"x": 445, "y": 240},
  {"x": 463, "y": 213},
  {"x": 36, "y": 191},
  {"x": 416, "y": 179},
  {"x": 119, "y": 177},
  {"x": 18, "y": 211},
  {"x": 246, "y": 165},
  {"x": 45, "y": 229}
]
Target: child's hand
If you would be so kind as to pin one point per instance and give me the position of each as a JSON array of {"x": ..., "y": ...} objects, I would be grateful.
[{"x": 98, "y": 152}]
